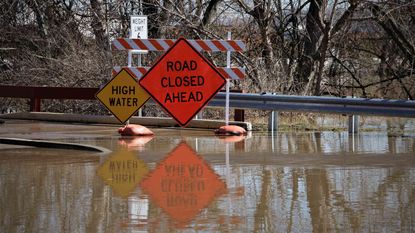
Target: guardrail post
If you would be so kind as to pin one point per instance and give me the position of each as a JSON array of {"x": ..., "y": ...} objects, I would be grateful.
[
  {"x": 35, "y": 104},
  {"x": 353, "y": 124},
  {"x": 239, "y": 115},
  {"x": 273, "y": 121}
]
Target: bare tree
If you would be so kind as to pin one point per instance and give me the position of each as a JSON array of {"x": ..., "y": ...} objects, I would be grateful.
[
  {"x": 352, "y": 47},
  {"x": 321, "y": 27}
]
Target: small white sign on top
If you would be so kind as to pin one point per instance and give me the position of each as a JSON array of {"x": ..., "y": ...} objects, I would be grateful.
[
  {"x": 139, "y": 30},
  {"x": 139, "y": 27}
]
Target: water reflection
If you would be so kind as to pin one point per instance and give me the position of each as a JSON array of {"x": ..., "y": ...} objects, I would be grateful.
[
  {"x": 332, "y": 142},
  {"x": 355, "y": 199},
  {"x": 122, "y": 170},
  {"x": 330, "y": 194},
  {"x": 182, "y": 184},
  {"x": 233, "y": 138},
  {"x": 288, "y": 182},
  {"x": 43, "y": 190},
  {"x": 134, "y": 143}
]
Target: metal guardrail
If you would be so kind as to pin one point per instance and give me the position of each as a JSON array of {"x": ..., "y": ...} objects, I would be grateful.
[
  {"x": 267, "y": 101},
  {"x": 349, "y": 106}
]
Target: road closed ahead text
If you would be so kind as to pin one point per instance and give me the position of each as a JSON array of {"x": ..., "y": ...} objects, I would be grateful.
[{"x": 175, "y": 81}]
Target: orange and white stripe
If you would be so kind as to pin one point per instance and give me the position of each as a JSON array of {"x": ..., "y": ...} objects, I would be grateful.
[
  {"x": 234, "y": 73},
  {"x": 137, "y": 71},
  {"x": 165, "y": 44}
]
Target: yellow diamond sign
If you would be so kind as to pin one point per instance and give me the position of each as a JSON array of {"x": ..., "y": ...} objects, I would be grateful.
[
  {"x": 122, "y": 96},
  {"x": 122, "y": 171}
]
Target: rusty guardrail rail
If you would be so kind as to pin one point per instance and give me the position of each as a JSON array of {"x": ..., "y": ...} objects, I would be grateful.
[{"x": 36, "y": 94}]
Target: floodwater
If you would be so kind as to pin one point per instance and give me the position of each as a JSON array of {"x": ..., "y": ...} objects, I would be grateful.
[{"x": 192, "y": 181}]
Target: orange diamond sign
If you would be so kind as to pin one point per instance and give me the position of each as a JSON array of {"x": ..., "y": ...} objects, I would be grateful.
[
  {"x": 183, "y": 184},
  {"x": 182, "y": 81}
]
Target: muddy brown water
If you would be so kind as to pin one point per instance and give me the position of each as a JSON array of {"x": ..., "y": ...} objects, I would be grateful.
[{"x": 192, "y": 181}]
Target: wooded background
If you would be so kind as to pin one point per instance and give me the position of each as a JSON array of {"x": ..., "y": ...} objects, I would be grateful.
[{"x": 304, "y": 47}]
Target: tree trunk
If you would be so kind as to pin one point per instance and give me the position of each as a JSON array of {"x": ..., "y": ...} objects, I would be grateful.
[
  {"x": 41, "y": 24},
  {"x": 101, "y": 38},
  {"x": 154, "y": 20},
  {"x": 210, "y": 11},
  {"x": 311, "y": 42},
  {"x": 322, "y": 58}
]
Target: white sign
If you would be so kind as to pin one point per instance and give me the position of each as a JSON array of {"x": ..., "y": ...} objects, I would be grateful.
[{"x": 139, "y": 27}]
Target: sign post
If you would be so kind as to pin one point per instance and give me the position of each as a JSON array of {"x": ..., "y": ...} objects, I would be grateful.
[
  {"x": 228, "y": 65},
  {"x": 138, "y": 30},
  {"x": 182, "y": 81}
]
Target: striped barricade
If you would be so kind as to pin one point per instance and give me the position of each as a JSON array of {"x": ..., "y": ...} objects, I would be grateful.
[
  {"x": 234, "y": 73},
  {"x": 165, "y": 44}
]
